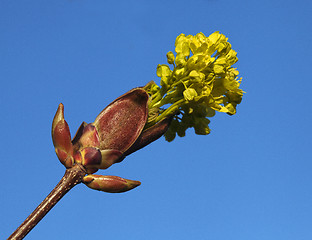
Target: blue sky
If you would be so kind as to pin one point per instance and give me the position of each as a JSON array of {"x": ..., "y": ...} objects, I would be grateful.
[{"x": 250, "y": 179}]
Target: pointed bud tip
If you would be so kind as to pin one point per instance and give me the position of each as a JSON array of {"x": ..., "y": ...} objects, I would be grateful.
[
  {"x": 59, "y": 116},
  {"x": 60, "y": 111},
  {"x": 61, "y": 106}
]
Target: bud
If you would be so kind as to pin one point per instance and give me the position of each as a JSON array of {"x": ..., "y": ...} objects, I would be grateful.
[
  {"x": 89, "y": 137},
  {"x": 61, "y": 138},
  {"x": 90, "y": 156},
  {"x": 110, "y": 184},
  {"x": 116, "y": 132},
  {"x": 170, "y": 57},
  {"x": 120, "y": 123}
]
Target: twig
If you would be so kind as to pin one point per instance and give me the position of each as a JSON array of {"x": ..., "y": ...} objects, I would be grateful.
[{"x": 71, "y": 178}]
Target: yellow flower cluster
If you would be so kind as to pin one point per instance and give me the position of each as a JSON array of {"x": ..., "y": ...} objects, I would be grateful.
[{"x": 202, "y": 81}]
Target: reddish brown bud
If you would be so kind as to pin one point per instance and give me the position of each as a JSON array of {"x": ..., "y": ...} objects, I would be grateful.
[
  {"x": 116, "y": 132},
  {"x": 90, "y": 156},
  {"x": 61, "y": 138},
  {"x": 121, "y": 122},
  {"x": 111, "y": 184},
  {"x": 93, "y": 159},
  {"x": 89, "y": 137}
]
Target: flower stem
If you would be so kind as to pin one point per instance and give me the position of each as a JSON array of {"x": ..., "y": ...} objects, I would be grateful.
[
  {"x": 71, "y": 178},
  {"x": 173, "y": 108}
]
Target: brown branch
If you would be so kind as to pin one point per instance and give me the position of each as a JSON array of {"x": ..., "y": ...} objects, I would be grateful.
[{"x": 71, "y": 178}]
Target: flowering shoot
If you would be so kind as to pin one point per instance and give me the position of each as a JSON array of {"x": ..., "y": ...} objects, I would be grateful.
[{"x": 201, "y": 81}]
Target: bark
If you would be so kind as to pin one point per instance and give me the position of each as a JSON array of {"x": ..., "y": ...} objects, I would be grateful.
[{"x": 71, "y": 178}]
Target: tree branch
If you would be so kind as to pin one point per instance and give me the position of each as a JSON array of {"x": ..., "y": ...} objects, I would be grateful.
[{"x": 71, "y": 178}]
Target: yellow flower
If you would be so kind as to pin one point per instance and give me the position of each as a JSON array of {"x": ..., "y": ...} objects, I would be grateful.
[{"x": 201, "y": 81}]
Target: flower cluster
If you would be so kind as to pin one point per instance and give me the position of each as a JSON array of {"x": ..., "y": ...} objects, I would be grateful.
[{"x": 201, "y": 82}]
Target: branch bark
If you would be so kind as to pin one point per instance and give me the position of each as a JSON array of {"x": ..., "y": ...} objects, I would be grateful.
[{"x": 71, "y": 178}]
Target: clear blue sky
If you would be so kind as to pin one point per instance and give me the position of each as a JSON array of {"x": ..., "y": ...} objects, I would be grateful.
[{"x": 250, "y": 179}]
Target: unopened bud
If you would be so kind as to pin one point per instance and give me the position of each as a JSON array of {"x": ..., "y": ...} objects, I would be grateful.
[
  {"x": 90, "y": 156},
  {"x": 61, "y": 138},
  {"x": 110, "y": 184},
  {"x": 170, "y": 57},
  {"x": 89, "y": 137}
]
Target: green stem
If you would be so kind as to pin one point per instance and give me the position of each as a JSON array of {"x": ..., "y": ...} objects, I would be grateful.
[
  {"x": 155, "y": 100},
  {"x": 173, "y": 108},
  {"x": 71, "y": 178}
]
